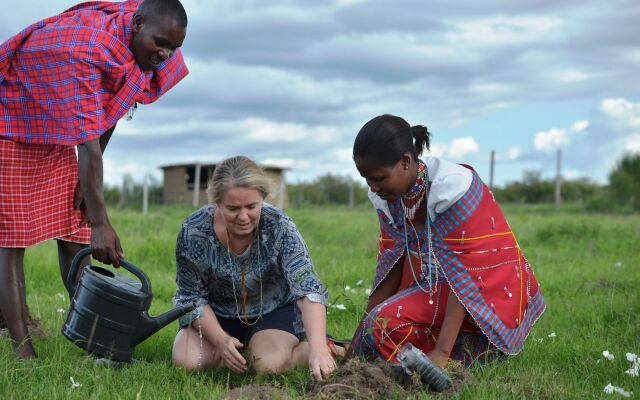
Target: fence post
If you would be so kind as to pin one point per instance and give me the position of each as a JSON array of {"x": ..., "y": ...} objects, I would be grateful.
[
  {"x": 491, "y": 169},
  {"x": 351, "y": 192},
  {"x": 558, "y": 177},
  {"x": 196, "y": 186},
  {"x": 283, "y": 189},
  {"x": 145, "y": 194},
  {"x": 122, "y": 202}
]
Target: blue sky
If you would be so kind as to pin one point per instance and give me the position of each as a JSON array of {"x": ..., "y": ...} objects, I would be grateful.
[{"x": 291, "y": 82}]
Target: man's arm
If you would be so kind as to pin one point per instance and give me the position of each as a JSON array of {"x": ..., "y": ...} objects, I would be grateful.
[
  {"x": 104, "y": 240},
  {"x": 104, "y": 139}
]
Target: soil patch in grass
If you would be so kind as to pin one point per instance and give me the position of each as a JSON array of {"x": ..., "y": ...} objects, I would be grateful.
[{"x": 360, "y": 380}]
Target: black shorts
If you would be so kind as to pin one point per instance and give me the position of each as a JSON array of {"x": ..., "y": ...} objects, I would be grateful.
[{"x": 282, "y": 318}]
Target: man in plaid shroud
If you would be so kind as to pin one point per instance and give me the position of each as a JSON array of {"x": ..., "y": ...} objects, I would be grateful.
[{"x": 64, "y": 83}]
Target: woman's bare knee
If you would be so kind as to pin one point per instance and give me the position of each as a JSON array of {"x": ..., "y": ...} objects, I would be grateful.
[{"x": 273, "y": 364}]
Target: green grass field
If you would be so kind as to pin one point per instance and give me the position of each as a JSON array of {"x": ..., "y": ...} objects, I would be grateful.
[{"x": 586, "y": 264}]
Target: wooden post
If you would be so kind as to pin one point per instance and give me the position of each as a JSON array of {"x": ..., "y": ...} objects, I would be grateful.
[
  {"x": 299, "y": 194},
  {"x": 351, "y": 192},
  {"x": 196, "y": 186},
  {"x": 283, "y": 190},
  {"x": 145, "y": 194},
  {"x": 122, "y": 202},
  {"x": 491, "y": 169},
  {"x": 558, "y": 177}
]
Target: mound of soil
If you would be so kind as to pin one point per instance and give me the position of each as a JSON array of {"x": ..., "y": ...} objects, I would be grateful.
[
  {"x": 255, "y": 392},
  {"x": 360, "y": 380},
  {"x": 357, "y": 380}
]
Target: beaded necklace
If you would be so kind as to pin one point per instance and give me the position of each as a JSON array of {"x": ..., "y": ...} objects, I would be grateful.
[
  {"x": 244, "y": 287},
  {"x": 411, "y": 201}
]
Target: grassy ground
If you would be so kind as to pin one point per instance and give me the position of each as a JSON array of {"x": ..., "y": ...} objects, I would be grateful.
[{"x": 586, "y": 264}]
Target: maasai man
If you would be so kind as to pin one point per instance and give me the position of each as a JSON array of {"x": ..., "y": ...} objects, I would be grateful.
[
  {"x": 451, "y": 278},
  {"x": 64, "y": 83}
]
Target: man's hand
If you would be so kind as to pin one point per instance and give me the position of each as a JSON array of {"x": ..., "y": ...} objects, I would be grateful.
[{"x": 105, "y": 245}]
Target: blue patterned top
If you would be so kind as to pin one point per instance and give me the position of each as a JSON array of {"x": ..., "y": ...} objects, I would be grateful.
[{"x": 207, "y": 272}]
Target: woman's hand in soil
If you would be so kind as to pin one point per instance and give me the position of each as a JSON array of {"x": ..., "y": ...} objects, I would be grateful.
[
  {"x": 231, "y": 357},
  {"x": 439, "y": 358},
  {"x": 321, "y": 363}
]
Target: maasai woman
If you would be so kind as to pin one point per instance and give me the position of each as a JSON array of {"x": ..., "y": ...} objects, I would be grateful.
[
  {"x": 248, "y": 269},
  {"x": 451, "y": 278}
]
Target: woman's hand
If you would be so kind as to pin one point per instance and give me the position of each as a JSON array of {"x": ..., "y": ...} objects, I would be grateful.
[
  {"x": 439, "y": 358},
  {"x": 228, "y": 347},
  {"x": 321, "y": 363}
]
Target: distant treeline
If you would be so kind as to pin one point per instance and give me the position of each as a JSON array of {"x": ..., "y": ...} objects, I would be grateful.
[{"x": 621, "y": 194}]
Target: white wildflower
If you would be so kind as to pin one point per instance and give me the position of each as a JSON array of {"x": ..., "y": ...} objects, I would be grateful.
[
  {"x": 552, "y": 334},
  {"x": 367, "y": 291},
  {"x": 74, "y": 384},
  {"x": 60, "y": 311},
  {"x": 62, "y": 297},
  {"x": 339, "y": 307},
  {"x": 610, "y": 389},
  {"x": 360, "y": 282},
  {"x": 608, "y": 355},
  {"x": 635, "y": 365},
  {"x": 618, "y": 264},
  {"x": 347, "y": 288}
]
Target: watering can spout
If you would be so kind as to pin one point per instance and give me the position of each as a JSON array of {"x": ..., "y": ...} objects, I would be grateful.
[{"x": 150, "y": 325}]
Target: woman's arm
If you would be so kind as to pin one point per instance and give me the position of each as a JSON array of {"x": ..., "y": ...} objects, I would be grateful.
[
  {"x": 211, "y": 330},
  {"x": 387, "y": 288},
  {"x": 314, "y": 318},
  {"x": 453, "y": 318}
]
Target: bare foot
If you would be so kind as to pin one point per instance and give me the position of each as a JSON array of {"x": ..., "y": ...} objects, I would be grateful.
[{"x": 25, "y": 350}]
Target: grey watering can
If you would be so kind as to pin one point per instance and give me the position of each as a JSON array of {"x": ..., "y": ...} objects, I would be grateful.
[{"x": 108, "y": 312}]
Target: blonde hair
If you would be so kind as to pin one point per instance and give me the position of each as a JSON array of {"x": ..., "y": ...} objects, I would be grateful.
[{"x": 238, "y": 171}]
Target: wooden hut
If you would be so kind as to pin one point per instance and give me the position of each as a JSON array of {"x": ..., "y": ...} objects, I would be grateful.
[{"x": 180, "y": 186}]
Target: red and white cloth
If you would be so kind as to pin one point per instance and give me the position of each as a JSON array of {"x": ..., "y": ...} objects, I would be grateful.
[{"x": 36, "y": 195}]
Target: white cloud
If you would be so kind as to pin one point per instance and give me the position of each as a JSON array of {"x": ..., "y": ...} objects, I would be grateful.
[
  {"x": 279, "y": 162},
  {"x": 572, "y": 76},
  {"x": 632, "y": 143},
  {"x": 460, "y": 147},
  {"x": 501, "y": 31},
  {"x": 344, "y": 154},
  {"x": 579, "y": 126},
  {"x": 550, "y": 140},
  {"x": 513, "y": 153},
  {"x": 268, "y": 131},
  {"x": 622, "y": 110}
]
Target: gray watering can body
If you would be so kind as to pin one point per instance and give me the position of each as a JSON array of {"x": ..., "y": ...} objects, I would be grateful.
[{"x": 108, "y": 315}]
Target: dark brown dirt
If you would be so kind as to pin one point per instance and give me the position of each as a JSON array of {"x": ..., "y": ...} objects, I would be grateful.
[
  {"x": 359, "y": 380},
  {"x": 255, "y": 392},
  {"x": 33, "y": 324}
]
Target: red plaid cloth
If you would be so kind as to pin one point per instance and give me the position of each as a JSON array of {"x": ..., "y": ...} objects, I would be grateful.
[
  {"x": 69, "y": 78},
  {"x": 36, "y": 194}
]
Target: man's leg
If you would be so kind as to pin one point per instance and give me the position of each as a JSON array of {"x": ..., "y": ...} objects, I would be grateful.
[
  {"x": 66, "y": 252},
  {"x": 13, "y": 300}
]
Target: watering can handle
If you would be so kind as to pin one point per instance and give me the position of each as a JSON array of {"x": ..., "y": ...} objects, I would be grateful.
[{"x": 146, "y": 284}]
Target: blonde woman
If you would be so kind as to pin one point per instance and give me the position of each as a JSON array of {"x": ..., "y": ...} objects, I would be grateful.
[{"x": 248, "y": 269}]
